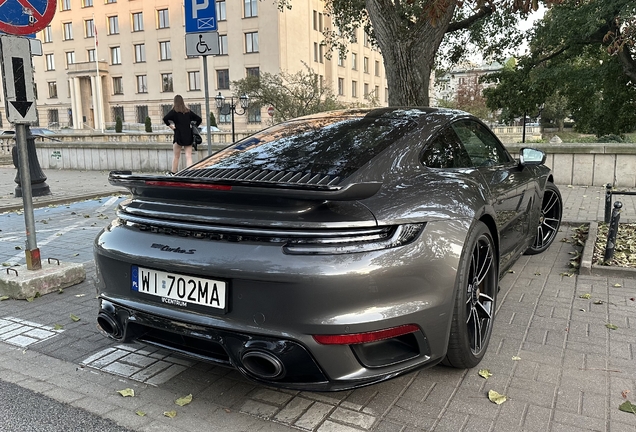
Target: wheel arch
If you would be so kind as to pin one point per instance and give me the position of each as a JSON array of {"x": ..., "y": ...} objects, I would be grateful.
[{"x": 489, "y": 221}]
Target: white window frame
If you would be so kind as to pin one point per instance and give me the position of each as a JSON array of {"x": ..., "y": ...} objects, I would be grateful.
[
  {"x": 251, "y": 42},
  {"x": 165, "y": 53},
  {"x": 115, "y": 55}
]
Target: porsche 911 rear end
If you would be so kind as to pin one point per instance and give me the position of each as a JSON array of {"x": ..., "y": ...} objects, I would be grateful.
[{"x": 283, "y": 274}]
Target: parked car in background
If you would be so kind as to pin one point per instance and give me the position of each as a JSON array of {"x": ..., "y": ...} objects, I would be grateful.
[
  {"x": 204, "y": 129},
  {"x": 42, "y": 131},
  {"x": 328, "y": 252}
]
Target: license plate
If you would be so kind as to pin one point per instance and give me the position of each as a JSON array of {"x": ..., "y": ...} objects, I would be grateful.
[{"x": 178, "y": 289}]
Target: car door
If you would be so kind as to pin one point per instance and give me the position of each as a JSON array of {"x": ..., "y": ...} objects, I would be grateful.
[{"x": 510, "y": 187}]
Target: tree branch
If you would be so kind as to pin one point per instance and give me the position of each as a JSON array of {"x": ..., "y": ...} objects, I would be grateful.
[
  {"x": 483, "y": 12},
  {"x": 628, "y": 62}
]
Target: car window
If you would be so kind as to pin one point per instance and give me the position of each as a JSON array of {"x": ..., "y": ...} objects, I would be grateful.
[
  {"x": 445, "y": 152},
  {"x": 482, "y": 146}
]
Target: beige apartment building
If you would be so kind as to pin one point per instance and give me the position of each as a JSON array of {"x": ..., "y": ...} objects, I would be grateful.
[{"x": 107, "y": 58}]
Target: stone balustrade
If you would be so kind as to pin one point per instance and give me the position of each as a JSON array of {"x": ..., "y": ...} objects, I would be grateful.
[{"x": 575, "y": 164}]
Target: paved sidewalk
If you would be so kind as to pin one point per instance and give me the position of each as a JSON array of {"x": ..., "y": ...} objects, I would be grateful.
[{"x": 551, "y": 352}]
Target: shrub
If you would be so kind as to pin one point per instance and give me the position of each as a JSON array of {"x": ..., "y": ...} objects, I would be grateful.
[
  {"x": 610, "y": 138},
  {"x": 148, "y": 124},
  {"x": 212, "y": 120},
  {"x": 118, "y": 125}
]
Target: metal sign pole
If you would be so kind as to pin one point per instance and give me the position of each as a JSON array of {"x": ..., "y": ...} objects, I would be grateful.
[
  {"x": 207, "y": 103},
  {"x": 32, "y": 252}
]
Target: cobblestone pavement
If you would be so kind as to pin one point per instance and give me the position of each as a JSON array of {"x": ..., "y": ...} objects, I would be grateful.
[{"x": 551, "y": 352}]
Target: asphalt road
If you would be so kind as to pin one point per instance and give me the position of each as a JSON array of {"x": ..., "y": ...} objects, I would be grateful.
[{"x": 24, "y": 410}]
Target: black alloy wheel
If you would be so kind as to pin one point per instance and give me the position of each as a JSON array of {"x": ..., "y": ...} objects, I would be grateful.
[
  {"x": 549, "y": 220},
  {"x": 475, "y": 304}
]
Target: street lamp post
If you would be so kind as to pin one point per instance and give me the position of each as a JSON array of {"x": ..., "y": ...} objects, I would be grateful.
[{"x": 244, "y": 101}]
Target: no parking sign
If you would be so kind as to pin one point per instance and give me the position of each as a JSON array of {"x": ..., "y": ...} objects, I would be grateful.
[{"x": 25, "y": 17}]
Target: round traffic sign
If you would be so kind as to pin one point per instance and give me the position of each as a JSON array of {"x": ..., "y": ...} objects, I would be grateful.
[
  {"x": 25, "y": 17},
  {"x": 270, "y": 111}
]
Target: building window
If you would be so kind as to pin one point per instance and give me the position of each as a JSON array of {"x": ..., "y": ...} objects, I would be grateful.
[
  {"x": 220, "y": 10},
  {"x": 251, "y": 8},
  {"x": 89, "y": 28},
  {"x": 141, "y": 112},
  {"x": 315, "y": 51},
  {"x": 48, "y": 34},
  {"x": 115, "y": 55},
  {"x": 166, "y": 82},
  {"x": 52, "y": 89},
  {"x": 195, "y": 108},
  {"x": 321, "y": 53},
  {"x": 140, "y": 53},
  {"x": 50, "y": 62},
  {"x": 254, "y": 114},
  {"x": 113, "y": 25},
  {"x": 118, "y": 111},
  {"x": 53, "y": 116},
  {"x": 376, "y": 92},
  {"x": 165, "y": 109},
  {"x": 377, "y": 68},
  {"x": 354, "y": 61},
  {"x": 252, "y": 71},
  {"x": 223, "y": 79},
  {"x": 251, "y": 42},
  {"x": 137, "y": 21},
  {"x": 66, "y": 5},
  {"x": 110, "y": 1},
  {"x": 224, "y": 118},
  {"x": 164, "y": 51},
  {"x": 366, "y": 39},
  {"x": 354, "y": 88},
  {"x": 194, "y": 80},
  {"x": 142, "y": 84},
  {"x": 87, "y": 3},
  {"x": 70, "y": 58},
  {"x": 68, "y": 30},
  {"x": 320, "y": 22},
  {"x": 341, "y": 59},
  {"x": 366, "y": 91},
  {"x": 341, "y": 86},
  {"x": 163, "y": 19},
  {"x": 386, "y": 94},
  {"x": 222, "y": 44},
  {"x": 315, "y": 20},
  {"x": 118, "y": 85},
  {"x": 90, "y": 54},
  {"x": 365, "y": 65}
]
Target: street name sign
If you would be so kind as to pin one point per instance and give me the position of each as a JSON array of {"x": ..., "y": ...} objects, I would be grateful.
[
  {"x": 200, "y": 16},
  {"x": 17, "y": 79},
  {"x": 202, "y": 44},
  {"x": 24, "y": 17}
]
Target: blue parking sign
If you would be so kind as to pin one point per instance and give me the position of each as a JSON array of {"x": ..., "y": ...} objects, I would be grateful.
[{"x": 200, "y": 16}]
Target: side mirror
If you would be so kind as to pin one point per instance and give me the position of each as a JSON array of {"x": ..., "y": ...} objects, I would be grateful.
[{"x": 529, "y": 156}]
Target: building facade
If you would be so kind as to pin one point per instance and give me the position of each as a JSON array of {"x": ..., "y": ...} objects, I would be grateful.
[{"x": 104, "y": 59}]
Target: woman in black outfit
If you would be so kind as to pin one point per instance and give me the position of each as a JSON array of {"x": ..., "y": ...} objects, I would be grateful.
[{"x": 178, "y": 119}]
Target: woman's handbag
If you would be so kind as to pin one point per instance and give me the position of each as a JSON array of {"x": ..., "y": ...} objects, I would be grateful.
[{"x": 196, "y": 136}]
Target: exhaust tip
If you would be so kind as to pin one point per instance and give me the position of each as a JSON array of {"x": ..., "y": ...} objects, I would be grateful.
[
  {"x": 108, "y": 325},
  {"x": 263, "y": 364}
]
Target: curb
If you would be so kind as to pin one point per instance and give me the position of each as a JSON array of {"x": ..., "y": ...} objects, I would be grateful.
[{"x": 62, "y": 200}]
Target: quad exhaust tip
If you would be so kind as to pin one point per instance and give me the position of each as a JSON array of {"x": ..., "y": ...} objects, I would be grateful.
[
  {"x": 109, "y": 325},
  {"x": 263, "y": 364}
]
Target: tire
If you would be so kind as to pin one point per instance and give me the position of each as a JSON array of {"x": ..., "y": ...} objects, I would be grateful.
[
  {"x": 549, "y": 220},
  {"x": 474, "y": 309}
]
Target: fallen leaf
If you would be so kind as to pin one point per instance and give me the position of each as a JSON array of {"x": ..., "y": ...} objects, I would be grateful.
[
  {"x": 485, "y": 373},
  {"x": 537, "y": 273},
  {"x": 496, "y": 397},
  {"x": 627, "y": 406},
  {"x": 18, "y": 248},
  {"x": 511, "y": 271},
  {"x": 58, "y": 327},
  {"x": 598, "y": 302},
  {"x": 184, "y": 400},
  {"x": 227, "y": 410},
  {"x": 611, "y": 326},
  {"x": 80, "y": 295},
  {"x": 624, "y": 393},
  {"x": 566, "y": 274},
  {"x": 570, "y": 186},
  {"x": 171, "y": 414},
  {"x": 30, "y": 299},
  {"x": 617, "y": 285},
  {"x": 4, "y": 298},
  {"x": 127, "y": 392},
  {"x": 75, "y": 318},
  {"x": 515, "y": 358},
  {"x": 586, "y": 296},
  {"x": 60, "y": 291},
  {"x": 140, "y": 413}
]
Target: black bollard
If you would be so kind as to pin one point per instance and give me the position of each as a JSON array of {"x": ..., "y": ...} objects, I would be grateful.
[
  {"x": 612, "y": 232},
  {"x": 38, "y": 179},
  {"x": 608, "y": 202}
]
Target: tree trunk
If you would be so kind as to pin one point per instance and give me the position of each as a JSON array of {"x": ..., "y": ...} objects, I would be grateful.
[{"x": 408, "y": 50}]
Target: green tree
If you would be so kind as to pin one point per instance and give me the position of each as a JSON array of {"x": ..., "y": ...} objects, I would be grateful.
[
  {"x": 148, "y": 124},
  {"x": 555, "y": 110},
  {"x": 581, "y": 50},
  {"x": 470, "y": 98},
  {"x": 291, "y": 95},
  {"x": 409, "y": 34},
  {"x": 118, "y": 125},
  {"x": 212, "y": 119}
]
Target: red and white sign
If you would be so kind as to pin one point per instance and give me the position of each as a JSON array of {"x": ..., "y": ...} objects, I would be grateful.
[
  {"x": 25, "y": 17},
  {"x": 270, "y": 111}
]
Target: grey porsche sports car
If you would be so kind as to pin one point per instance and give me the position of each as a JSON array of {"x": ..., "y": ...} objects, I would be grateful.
[{"x": 328, "y": 252}]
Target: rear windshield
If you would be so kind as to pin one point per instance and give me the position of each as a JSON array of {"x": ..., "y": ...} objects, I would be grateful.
[{"x": 332, "y": 145}]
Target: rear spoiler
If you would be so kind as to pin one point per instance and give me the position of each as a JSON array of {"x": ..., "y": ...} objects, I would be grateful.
[{"x": 144, "y": 184}]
